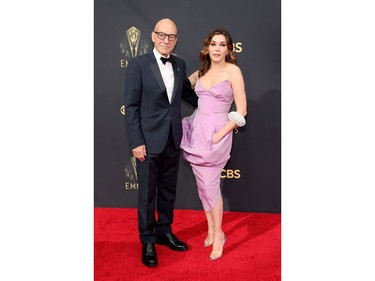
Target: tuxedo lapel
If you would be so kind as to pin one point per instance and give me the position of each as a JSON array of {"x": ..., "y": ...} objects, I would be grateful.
[
  {"x": 177, "y": 77},
  {"x": 156, "y": 71}
]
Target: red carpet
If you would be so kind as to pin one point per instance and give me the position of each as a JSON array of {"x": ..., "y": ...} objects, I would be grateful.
[{"x": 252, "y": 251}]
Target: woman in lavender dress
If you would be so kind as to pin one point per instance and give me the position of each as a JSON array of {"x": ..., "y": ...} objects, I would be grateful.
[{"x": 207, "y": 133}]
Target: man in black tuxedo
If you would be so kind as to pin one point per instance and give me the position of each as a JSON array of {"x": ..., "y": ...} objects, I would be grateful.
[{"x": 155, "y": 84}]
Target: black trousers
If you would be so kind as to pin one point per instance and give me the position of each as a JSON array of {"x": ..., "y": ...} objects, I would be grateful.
[{"x": 157, "y": 180}]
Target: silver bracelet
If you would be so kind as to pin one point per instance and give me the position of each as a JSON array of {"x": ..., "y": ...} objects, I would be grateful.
[{"x": 237, "y": 118}]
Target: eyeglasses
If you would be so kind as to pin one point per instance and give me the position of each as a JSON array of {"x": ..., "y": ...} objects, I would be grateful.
[{"x": 162, "y": 35}]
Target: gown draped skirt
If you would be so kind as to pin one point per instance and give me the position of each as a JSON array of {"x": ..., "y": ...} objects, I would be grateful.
[{"x": 207, "y": 159}]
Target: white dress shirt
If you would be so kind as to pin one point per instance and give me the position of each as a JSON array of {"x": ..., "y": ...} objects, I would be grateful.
[{"x": 167, "y": 74}]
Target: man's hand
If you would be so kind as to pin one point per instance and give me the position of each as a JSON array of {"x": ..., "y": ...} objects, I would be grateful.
[{"x": 140, "y": 152}]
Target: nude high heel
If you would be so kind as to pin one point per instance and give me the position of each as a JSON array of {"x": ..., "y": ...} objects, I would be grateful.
[
  {"x": 217, "y": 254},
  {"x": 208, "y": 242}
]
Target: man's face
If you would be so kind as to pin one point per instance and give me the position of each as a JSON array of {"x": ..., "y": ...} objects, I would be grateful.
[{"x": 164, "y": 46}]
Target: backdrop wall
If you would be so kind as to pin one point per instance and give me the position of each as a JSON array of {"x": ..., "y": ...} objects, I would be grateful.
[{"x": 251, "y": 181}]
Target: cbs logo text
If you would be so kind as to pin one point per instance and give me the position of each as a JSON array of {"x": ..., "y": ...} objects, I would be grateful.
[{"x": 230, "y": 174}]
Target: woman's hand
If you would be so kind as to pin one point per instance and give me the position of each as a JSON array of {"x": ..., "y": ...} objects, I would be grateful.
[{"x": 216, "y": 138}]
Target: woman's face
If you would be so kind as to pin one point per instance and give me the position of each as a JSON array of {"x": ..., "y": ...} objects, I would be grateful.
[{"x": 218, "y": 48}]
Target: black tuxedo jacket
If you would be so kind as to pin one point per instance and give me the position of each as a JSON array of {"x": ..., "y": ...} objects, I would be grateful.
[{"x": 148, "y": 113}]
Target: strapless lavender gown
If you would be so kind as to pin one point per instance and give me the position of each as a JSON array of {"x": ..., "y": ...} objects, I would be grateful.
[{"x": 207, "y": 159}]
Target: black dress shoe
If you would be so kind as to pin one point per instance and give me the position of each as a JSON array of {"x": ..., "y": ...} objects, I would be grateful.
[
  {"x": 149, "y": 254},
  {"x": 172, "y": 242}
]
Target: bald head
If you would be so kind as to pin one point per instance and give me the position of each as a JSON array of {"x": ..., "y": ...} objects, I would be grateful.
[
  {"x": 166, "y": 24},
  {"x": 164, "y": 36}
]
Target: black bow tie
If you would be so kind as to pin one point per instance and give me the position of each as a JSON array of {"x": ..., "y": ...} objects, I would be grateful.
[{"x": 164, "y": 60}]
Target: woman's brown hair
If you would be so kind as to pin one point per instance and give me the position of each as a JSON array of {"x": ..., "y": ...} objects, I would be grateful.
[{"x": 205, "y": 57}]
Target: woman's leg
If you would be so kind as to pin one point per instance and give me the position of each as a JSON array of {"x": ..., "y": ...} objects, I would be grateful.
[
  {"x": 219, "y": 237},
  {"x": 210, "y": 235}
]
